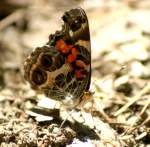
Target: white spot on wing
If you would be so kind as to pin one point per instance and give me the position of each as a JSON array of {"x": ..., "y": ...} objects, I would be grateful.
[{"x": 70, "y": 33}]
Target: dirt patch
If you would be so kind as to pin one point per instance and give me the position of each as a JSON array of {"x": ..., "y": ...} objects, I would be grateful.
[{"x": 118, "y": 113}]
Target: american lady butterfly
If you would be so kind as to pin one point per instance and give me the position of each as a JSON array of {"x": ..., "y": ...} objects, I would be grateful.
[{"x": 62, "y": 67}]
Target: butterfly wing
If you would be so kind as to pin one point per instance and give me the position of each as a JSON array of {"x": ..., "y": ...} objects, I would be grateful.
[
  {"x": 62, "y": 68},
  {"x": 77, "y": 28}
]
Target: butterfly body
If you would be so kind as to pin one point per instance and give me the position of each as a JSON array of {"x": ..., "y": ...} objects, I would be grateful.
[{"x": 62, "y": 67}]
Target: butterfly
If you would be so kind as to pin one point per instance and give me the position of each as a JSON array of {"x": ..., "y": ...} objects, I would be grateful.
[{"x": 62, "y": 67}]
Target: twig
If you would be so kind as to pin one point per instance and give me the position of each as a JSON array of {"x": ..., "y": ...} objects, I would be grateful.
[
  {"x": 11, "y": 18},
  {"x": 144, "y": 108},
  {"x": 146, "y": 121},
  {"x": 133, "y": 100}
]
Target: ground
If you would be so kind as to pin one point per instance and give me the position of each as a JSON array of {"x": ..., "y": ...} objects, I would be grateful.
[{"x": 118, "y": 110}]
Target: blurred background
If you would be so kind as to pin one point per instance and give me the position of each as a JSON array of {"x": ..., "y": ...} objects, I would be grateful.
[
  {"x": 119, "y": 34},
  {"x": 120, "y": 44}
]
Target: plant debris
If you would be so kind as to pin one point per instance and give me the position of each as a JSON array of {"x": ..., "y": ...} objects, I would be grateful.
[{"x": 118, "y": 111}]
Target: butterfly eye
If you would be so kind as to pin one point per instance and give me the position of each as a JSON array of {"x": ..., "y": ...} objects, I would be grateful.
[
  {"x": 39, "y": 77},
  {"x": 46, "y": 61}
]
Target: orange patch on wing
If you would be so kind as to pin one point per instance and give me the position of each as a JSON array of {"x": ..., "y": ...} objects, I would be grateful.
[
  {"x": 79, "y": 74},
  {"x": 74, "y": 52},
  {"x": 62, "y": 46},
  {"x": 80, "y": 63},
  {"x": 71, "y": 58}
]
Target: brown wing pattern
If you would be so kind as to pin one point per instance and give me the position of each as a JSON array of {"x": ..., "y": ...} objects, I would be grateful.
[{"x": 62, "y": 67}]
